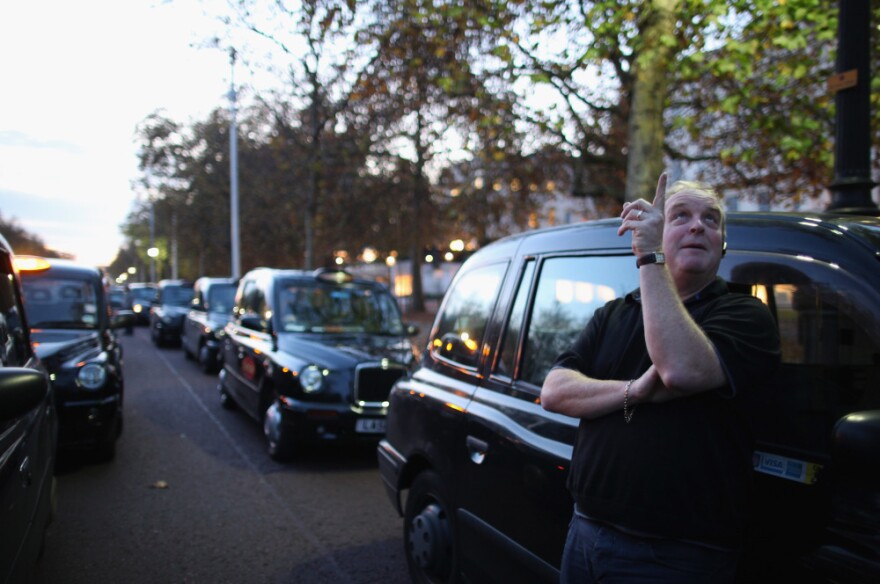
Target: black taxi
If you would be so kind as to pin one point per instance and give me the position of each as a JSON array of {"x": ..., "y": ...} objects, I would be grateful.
[
  {"x": 203, "y": 326},
  {"x": 73, "y": 332},
  {"x": 312, "y": 355},
  {"x": 168, "y": 309},
  {"x": 478, "y": 468},
  {"x": 28, "y": 435}
]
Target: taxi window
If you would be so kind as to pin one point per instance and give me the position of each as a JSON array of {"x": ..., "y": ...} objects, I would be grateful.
[
  {"x": 221, "y": 298},
  {"x": 253, "y": 301},
  {"x": 507, "y": 358},
  {"x": 466, "y": 312},
  {"x": 61, "y": 302},
  {"x": 569, "y": 291},
  {"x": 830, "y": 341},
  {"x": 13, "y": 353},
  {"x": 316, "y": 307}
]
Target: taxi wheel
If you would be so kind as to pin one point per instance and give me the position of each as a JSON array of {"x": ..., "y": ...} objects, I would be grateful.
[
  {"x": 105, "y": 448},
  {"x": 206, "y": 363},
  {"x": 427, "y": 532},
  {"x": 281, "y": 447},
  {"x": 154, "y": 336},
  {"x": 225, "y": 399}
]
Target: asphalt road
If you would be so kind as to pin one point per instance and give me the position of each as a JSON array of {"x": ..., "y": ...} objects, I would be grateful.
[{"x": 193, "y": 497}]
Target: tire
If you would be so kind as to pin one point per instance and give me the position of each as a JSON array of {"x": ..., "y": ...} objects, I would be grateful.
[
  {"x": 105, "y": 447},
  {"x": 206, "y": 363},
  {"x": 280, "y": 442},
  {"x": 225, "y": 399},
  {"x": 186, "y": 352},
  {"x": 428, "y": 539},
  {"x": 155, "y": 336}
]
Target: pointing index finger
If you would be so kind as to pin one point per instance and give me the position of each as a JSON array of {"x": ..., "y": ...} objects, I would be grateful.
[{"x": 660, "y": 196}]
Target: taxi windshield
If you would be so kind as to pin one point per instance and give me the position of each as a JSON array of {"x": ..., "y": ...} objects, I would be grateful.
[
  {"x": 333, "y": 308},
  {"x": 177, "y": 295},
  {"x": 221, "y": 297},
  {"x": 143, "y": 293},
  {"x": 61, "y": 302}
]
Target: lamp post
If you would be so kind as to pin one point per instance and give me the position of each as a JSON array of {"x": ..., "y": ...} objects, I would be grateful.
[
  {"x": 153, "y": 252},
  {"x": 233, "y": 172}
]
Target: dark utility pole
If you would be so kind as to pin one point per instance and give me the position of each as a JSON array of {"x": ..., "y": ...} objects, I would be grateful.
[{"x": 851, "y": 189}]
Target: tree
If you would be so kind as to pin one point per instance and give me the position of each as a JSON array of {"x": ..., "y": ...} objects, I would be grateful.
[
  {"x": 736, "y": 89},
  {"x": 320, "y": 37},
  {"x": 423, "y": 80},
  {"x": 25, "y": 243}
]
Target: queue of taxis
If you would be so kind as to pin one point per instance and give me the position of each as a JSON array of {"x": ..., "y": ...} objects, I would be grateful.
[{"x": 477, "y": 468}]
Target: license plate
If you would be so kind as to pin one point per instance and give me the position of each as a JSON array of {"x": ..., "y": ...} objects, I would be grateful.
[{"x": 370, "y": 426}]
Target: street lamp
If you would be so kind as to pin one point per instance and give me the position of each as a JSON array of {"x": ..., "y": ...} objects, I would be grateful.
[{"x": 153, "y": 252}]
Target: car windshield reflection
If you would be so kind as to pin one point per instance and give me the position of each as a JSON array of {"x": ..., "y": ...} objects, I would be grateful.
[
  {"x": 221, "y": 298},
  {"x": 331, "y": 309},
  {"x": 61, "y": 303},
  {"x": 177, "y": 295}
]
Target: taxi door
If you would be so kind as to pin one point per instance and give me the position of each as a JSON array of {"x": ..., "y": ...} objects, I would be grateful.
[{"x": 518, "y": 506}]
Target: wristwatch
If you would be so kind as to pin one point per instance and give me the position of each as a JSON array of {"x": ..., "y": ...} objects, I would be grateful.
[{"x": 655, "y": 257}]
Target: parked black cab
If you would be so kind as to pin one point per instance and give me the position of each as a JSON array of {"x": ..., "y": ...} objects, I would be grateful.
[
  {"x": 313, "y": 355},
  {"x": 484, "y": 466},
  {"x": 203, "y": 325},
  {"x": 142, "y": 296},
  {"x": 169, "y": 308},
  {"x": 28, "y": 435},
  {"x": 73, "y": 332}
]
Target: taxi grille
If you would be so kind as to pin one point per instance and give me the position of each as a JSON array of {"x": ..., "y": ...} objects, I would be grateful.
[{"x": 372, "y": 382}]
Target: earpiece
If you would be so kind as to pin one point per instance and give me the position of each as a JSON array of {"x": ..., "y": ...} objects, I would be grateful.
[{"x": 723, "y": 248}]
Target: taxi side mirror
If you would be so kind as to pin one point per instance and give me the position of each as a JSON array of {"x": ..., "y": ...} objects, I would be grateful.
[{"x": 21, "y": 390}]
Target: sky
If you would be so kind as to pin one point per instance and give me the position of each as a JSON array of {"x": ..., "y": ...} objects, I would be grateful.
[{"x": 76, "y": 78}]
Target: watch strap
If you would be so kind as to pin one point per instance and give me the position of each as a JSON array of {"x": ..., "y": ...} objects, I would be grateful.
[{"x": 655, "y": 257}]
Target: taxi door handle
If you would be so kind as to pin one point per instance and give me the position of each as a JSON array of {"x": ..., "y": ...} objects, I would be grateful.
[{"x": 477, "y": 449}]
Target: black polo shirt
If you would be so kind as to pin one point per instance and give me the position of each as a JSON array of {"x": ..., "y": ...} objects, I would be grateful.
[{"x": 680, "y": 469}]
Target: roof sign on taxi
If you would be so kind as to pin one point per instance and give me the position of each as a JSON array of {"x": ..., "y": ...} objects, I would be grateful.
[{"x": 31, "y": 264}]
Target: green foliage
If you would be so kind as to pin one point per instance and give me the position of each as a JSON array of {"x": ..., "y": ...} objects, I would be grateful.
[{"x": 425, "y": 96}]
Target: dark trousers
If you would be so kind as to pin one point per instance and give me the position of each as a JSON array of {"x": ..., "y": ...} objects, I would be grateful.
[{"x": 597, "y": 552}]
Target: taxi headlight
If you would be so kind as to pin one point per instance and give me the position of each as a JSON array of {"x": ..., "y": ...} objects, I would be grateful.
[
  {"x": 311, "y": 378},
  {"x": 92, "y": 375}
]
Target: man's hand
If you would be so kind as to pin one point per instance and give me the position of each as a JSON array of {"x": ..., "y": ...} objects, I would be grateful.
[
  {"x": 649, "y": 388},
  {"x": 645, "y": 220}
]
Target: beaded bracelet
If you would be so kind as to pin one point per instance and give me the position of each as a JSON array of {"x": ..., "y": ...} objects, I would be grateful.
[{"x": 627, "y": 413}]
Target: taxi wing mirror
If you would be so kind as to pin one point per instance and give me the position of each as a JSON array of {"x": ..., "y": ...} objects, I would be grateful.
[{"x": 21, "y": 390}]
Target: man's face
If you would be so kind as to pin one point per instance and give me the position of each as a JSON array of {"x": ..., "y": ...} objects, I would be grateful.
[{"x": 692, "y": 235}]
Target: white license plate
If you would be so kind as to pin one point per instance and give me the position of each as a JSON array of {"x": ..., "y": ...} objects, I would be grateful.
[{"x": 370, "y": 425}]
